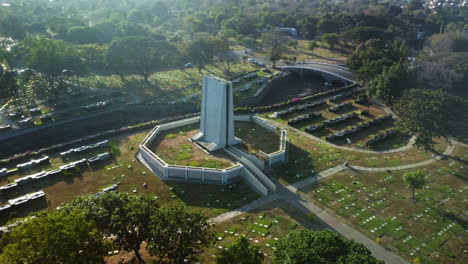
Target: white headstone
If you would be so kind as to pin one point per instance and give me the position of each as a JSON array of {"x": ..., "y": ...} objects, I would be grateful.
[{"x": 217, "y": 115}]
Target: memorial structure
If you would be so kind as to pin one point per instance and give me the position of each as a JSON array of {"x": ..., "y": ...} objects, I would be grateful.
[{"x": 217, "y": 115}]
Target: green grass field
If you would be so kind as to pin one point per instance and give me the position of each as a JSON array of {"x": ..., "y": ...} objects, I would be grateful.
[{"x": 431, "y": 229}]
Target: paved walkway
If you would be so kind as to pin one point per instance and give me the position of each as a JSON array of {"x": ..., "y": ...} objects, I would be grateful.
[
  {"x": 345, "y": 230},
  {"x": 460, "y": 143},
  {"x": 449, "y": 150},
  {"x": 246, "y": 208},
  {"x": 289, "y": 194}
]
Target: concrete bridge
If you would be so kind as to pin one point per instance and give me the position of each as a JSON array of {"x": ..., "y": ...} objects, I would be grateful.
[{"x": 327, "y": 71}]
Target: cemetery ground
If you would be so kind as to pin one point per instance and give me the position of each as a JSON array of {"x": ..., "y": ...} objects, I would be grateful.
[
  {"x": 308, "y": 156},
  {"x": 165, "y": 86},
  {"x": 303, "y": 53},
  {"x": 123, "y": 169},
  {"x": 366, "y": 112},
  {"x": 174, "y": 146},
  {"x": 432, "y": 228},
  {"x": 262, "y": 227},
  {"x": 31, "y": 111}
]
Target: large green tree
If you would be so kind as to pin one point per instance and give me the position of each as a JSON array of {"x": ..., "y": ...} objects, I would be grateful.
[
  {"x": 275, "y": 43},
  {"x": 204, "y": 48},
  {"x": 240, "y": 252},
  {"x": 55, "y": 238},
  {"x": 125, "y": 216},
  {"x": 55, "y": 60},
  {"x": 138, "y": 55},
  {"x": 370, "y": 58},
  {"x": 324, "y": 247},
  {"x": 427, "y": 114},
  {"x": 331, "y": 39},
  {"x": 178, "y": 234},
  {"x": 390, "y": 84},
  {"x": 414, "y": 180}
]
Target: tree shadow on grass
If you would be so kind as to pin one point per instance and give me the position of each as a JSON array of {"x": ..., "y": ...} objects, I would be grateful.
[
  {"x": 299, "y": 166},
  {"x": 218, "y": 198}
]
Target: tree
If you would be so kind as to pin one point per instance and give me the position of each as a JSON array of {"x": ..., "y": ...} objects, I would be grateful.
[
  {"x": 312, "y": 45},
  {"x": 427, "y": 114},
  {"x": 390, "y": 84},
  {"x": 415, "y": 5},
  {"x": 331, "y": 39},
  {"x": 414, "y": 180},
  {"x": 294, "y": 44},
  {"x": 328, "y": 247},
  {"x": 82, "y": 35},
  {"x": 138, "y": 55},
  {"x": 241, "y": 252},
  {"x": 370, "y": 58},
  {"x": 178, "y": 234},
  {"x": 8, "y": 85},
  {"x": 125, "y": 216},
  {"x": 55, "y": 59},
  {"x": 202, "y": 50},
  {"x": 275, "y": 42},
  {"x": 54, "y": 237}
]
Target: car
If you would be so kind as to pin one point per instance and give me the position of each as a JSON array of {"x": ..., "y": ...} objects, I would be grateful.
[
  {"x": 252, "y": 60},
  {"x": 261, "y": 64},
  {"x": 188, "y": 65}
]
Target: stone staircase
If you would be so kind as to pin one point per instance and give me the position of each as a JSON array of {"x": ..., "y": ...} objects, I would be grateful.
[{"x": 260, "y": 177}]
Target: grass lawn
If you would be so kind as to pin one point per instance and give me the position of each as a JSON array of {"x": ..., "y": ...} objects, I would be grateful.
[
  {"x": 174, "y": 148},
  {"x": 262, "y": 227},
  {"x": 131, "y": 175},
  {"x": 278, "y": 217},
  {"x": 302, "y": 53},
  {"x": 257, "y": 138},
  {"x": 165, "y": 82},
  {"x": 432, "y": 229},
  {"x": 308, "y": 156}
]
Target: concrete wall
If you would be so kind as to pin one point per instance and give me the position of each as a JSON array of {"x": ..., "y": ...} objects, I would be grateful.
[
  {"x": 253, "y": 182},
  {"x": 184, "y": 173}
]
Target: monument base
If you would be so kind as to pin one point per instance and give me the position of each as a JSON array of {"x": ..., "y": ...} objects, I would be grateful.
[{"x": 211, "y": 146}]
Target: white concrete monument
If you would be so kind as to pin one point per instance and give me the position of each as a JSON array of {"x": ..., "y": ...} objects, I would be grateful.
[{"x": 217, "y": 115}]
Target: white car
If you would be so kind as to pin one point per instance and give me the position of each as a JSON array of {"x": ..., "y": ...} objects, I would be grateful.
[
  {"x": 188, "y": 65},
  {"x": 252, "y": 60}
]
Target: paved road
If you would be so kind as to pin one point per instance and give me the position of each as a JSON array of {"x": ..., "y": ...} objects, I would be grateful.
[
  {"x": 289, "y": 194},
  {"x": 339, "y": 71}
]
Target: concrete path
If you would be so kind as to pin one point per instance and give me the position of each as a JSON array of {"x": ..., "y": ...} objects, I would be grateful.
[
  {"x": 460, "y": 143},
  {"x": 345, "y": 230},
  {"x": 449, "y": 150},
  {"x": 319, "y": 176},
  {"x": 246, "y": 208},
  {"x": 289, "y": 194}
]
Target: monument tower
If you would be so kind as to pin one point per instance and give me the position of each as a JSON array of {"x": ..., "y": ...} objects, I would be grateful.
[{"x": 217, "y": 115}]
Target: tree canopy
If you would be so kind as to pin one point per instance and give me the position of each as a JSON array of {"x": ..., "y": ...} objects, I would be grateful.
[
  {"x": 178, "y": 234},
  {"x": 325, "y": 247},
  {"x": 414, "y": 180},
  {"x": 54, "y": 237},
  {"x": 240, "y": 252},
  {"x": 138, "y": 55},
  {"x": 427, "y": 114}
]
